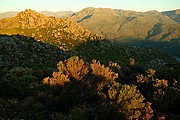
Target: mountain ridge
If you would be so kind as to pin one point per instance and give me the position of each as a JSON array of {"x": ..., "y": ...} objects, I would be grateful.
[
  {"x": 122, "y": 24},
  {"x": 58, "y": 14},
  {"x": 173, "y": 14}
]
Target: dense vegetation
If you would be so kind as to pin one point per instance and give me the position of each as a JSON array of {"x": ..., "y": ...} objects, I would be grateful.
[
  {"x": 63, "y": 71},
  {"x": 82, "y": 88}
]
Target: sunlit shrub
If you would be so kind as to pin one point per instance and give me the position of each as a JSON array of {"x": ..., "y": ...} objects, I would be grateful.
[
  {"x": 57, "y": 79},
  {"x": 148, "y": 77},
  {"x": 129, "y": 100},
  {"x": 160, "y": 83},
  {"x": 73, "y": 67},
  {"x": 147, "y": 112},
  {"x": 164, "y": 96},
  {"x": 104, "y": 72}
]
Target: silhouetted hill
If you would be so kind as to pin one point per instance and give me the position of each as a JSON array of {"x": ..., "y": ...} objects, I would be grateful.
[
  {"x": 124, "y": 25},
  {"x": 174, "y": 14},
  {"x": 62, "y": 32}
]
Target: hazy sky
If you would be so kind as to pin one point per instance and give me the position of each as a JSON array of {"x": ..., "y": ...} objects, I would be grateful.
[{"x": 76, "y": 5}]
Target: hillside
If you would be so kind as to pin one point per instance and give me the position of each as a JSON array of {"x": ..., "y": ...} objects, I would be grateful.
[
  {"x": 25, "y": 51},
  {"x": 174, "y": 14},
  {"x": 128, "y": 25},
  {"x": 106, "y": 52},
  {"x": 62, "y": 32},
  {"x": 116, "y": 87}
]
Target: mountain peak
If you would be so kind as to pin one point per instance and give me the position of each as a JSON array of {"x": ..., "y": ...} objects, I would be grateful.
[{"x": 28, "y": 13}]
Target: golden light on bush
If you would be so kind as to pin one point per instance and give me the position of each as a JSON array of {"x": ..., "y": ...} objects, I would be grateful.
[
  {"x": 103, "y": 72},
  {"x": 128, "y": 98},
  {"x": 57, "y": 79}
]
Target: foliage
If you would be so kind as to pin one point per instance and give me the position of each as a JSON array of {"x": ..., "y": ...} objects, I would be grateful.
[
  {"x": 74, "y": 67},
  {"x": 17, "y": 83},
  {"x": 104, "y": 72},
  {"x": 149, "y": 77},
  {"x": 9, "y": 108},
  {"x": 129, "y": 100},
  {"x": 57, "y": 79},
  {"x": 84, "y": 88}
]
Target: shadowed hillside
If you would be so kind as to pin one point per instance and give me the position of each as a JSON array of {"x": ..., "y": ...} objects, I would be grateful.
[
  {"x": 128, "y": 25},
  {"x": 25, "y": 51},
  {"x": 107, "y": 51}
]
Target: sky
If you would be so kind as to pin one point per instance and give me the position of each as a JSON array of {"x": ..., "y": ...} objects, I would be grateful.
[{"x": 77, "y": 5}]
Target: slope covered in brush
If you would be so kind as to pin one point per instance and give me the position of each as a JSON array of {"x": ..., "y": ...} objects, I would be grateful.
[
  {"x": 58, "y": 31},
  {"x": 25, "y": 51},
  {"x": 107, "y": 51}
]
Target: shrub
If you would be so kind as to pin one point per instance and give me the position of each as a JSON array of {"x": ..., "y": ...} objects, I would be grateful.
[
  {"x": 74, "y": 67},
  {"x": 129, "y": 100},
  {"x": 57, "y": 79},
  {"x": 17, "y": 82},
  {"x": 103, "y": 72}
]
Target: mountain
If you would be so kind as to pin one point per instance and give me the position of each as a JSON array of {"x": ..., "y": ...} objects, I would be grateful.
[
  {"x": 174, "y": 14},
  {"x": 62, "y": 32},
  {"x": 8, "y": 14},
  {"x": 60, "y": 14},
  {"x": 127, "y": 25}
]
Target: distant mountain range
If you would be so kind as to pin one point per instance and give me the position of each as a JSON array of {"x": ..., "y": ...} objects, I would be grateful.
[
  {"x": 60, "y": 14},
  {"x": 129, "y": 25},
  {"x": 122, "y": 25}
]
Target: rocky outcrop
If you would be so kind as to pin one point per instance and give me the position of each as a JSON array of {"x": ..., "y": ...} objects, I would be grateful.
[{"x": 57, "y": 31}]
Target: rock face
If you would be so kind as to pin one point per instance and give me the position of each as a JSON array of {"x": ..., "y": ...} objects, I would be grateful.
[
  {"x": 124, "y": 25},
  {"x": 47, "y": 29}
]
